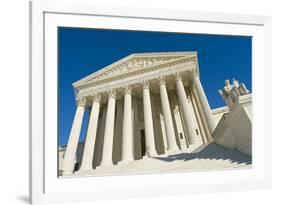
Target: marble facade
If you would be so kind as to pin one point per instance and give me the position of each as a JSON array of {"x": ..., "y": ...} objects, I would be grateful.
[{"x": 143, "y": 105}]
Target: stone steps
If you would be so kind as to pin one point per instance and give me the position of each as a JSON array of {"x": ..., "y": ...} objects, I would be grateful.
[{"x": 205, "y": 158}]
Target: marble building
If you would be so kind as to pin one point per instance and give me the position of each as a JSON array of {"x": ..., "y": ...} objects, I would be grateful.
[{"x": 142, "y": 106}]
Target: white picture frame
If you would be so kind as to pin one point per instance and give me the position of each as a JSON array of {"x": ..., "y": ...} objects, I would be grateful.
[{"x": 46, "y": 187}]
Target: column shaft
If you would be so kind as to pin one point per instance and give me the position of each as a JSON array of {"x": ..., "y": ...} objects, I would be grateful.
[
  {"x": 127, "y": 137},
  {"x": 188, "y": 121},
  {"x": 169, "y": 127},
  {"x": 148, "y": 123},
  {"x": 163, "y": 130},
  {"x": 204, "y": 103},
  {"x": 88, "y": 154},
  {"x": 109, "y": 131},
  {"x": 99, "y": 139},
  {"x": 70, "y": 153}
]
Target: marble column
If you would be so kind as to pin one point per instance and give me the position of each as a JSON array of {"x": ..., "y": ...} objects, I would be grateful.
[
  {"x": 99, "y": 139},
  {"x": 88, "y": 154},
  {"x": 163, "y": 131},
  {"x": 148, "y": 123},
  {"x": 70, "y": 153},
  {"x": 127, "y": 137},
  {"x": 109, "y": 130},
  {"x": 204, "y": 103},
  {"x": 168, "y": 122},
  {"x": 188, "y": 120}
]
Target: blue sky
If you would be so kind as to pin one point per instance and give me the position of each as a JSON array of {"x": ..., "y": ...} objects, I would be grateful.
[{"x": 84, "y": 51}]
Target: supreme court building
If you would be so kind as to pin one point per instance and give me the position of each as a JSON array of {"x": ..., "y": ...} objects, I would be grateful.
[{"x": 141, "y": 106}]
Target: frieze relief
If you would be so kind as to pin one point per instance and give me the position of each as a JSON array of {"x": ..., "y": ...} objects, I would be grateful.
[
  {"x": 135, "y": 64},
  {"x": 117, "y": 74}
]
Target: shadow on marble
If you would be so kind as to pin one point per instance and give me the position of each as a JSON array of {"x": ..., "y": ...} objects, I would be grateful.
[{"x": 211, "y": 151}]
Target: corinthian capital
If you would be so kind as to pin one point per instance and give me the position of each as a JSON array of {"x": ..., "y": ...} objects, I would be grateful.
[
  {"x": 81, "y": 101},
  {"x": 96, "y": 98},
  {"x": 128, "y": 90},
  {"x": 145, "y": 84},
  {"x": 162, "y": 80},
  {"x": 178, "y": 76},
  {"x": 112, "y": 93}
]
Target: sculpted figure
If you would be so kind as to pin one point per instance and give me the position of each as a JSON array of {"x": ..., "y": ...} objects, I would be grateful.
[
  {"x": 230, "y": 93},
  {"x": 243, "y": 90},
  {"x": 235, "y": 88},
  {"x": 222, "y": 93},
  {"x": 227, "y": 86},
  {"x": 235, "y": 83}
]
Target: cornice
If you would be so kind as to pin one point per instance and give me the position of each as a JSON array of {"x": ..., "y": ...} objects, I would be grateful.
[
  {"x": 138, "y": 71},
  {"x": 156, "y": 57}
]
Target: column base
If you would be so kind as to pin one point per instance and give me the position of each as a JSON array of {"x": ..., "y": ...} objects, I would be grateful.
[
  {"x": 184, "y": 147},
  {"x": 151, "y": 153},
  {"x": 126, "y": 161},
  {"x": 105, "y": 164},
  {"x": 193, "y": 147},
  {"x": 84, "y": 171},
  {"x": 67, "y": 173},
  {"x": 174, "y": 150}
]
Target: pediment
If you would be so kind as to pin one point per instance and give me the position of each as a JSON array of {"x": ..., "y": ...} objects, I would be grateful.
[{"x": 131, "y": 63}]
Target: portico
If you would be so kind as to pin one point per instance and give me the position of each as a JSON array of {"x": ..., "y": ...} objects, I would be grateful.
[{"x": 142, "y": 105}]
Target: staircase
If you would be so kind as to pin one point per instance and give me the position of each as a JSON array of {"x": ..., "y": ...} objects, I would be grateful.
[{"x": 204, "y": 158}]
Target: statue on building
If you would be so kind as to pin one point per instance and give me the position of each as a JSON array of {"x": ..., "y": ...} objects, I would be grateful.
[
  {"x": 231, "y": 93},
  {"x": 227, "y": 86}
]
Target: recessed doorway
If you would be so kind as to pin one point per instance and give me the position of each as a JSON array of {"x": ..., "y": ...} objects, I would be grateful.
[{"x": 142, "y": 134}]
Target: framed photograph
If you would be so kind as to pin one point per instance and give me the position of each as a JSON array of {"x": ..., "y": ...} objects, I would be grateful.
[{"x": 129, "y": 102}]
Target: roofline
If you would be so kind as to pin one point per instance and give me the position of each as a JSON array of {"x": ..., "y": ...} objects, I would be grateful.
[
  {"x": 164, "y": 53},
  {"x": 76, "y": 83}
]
